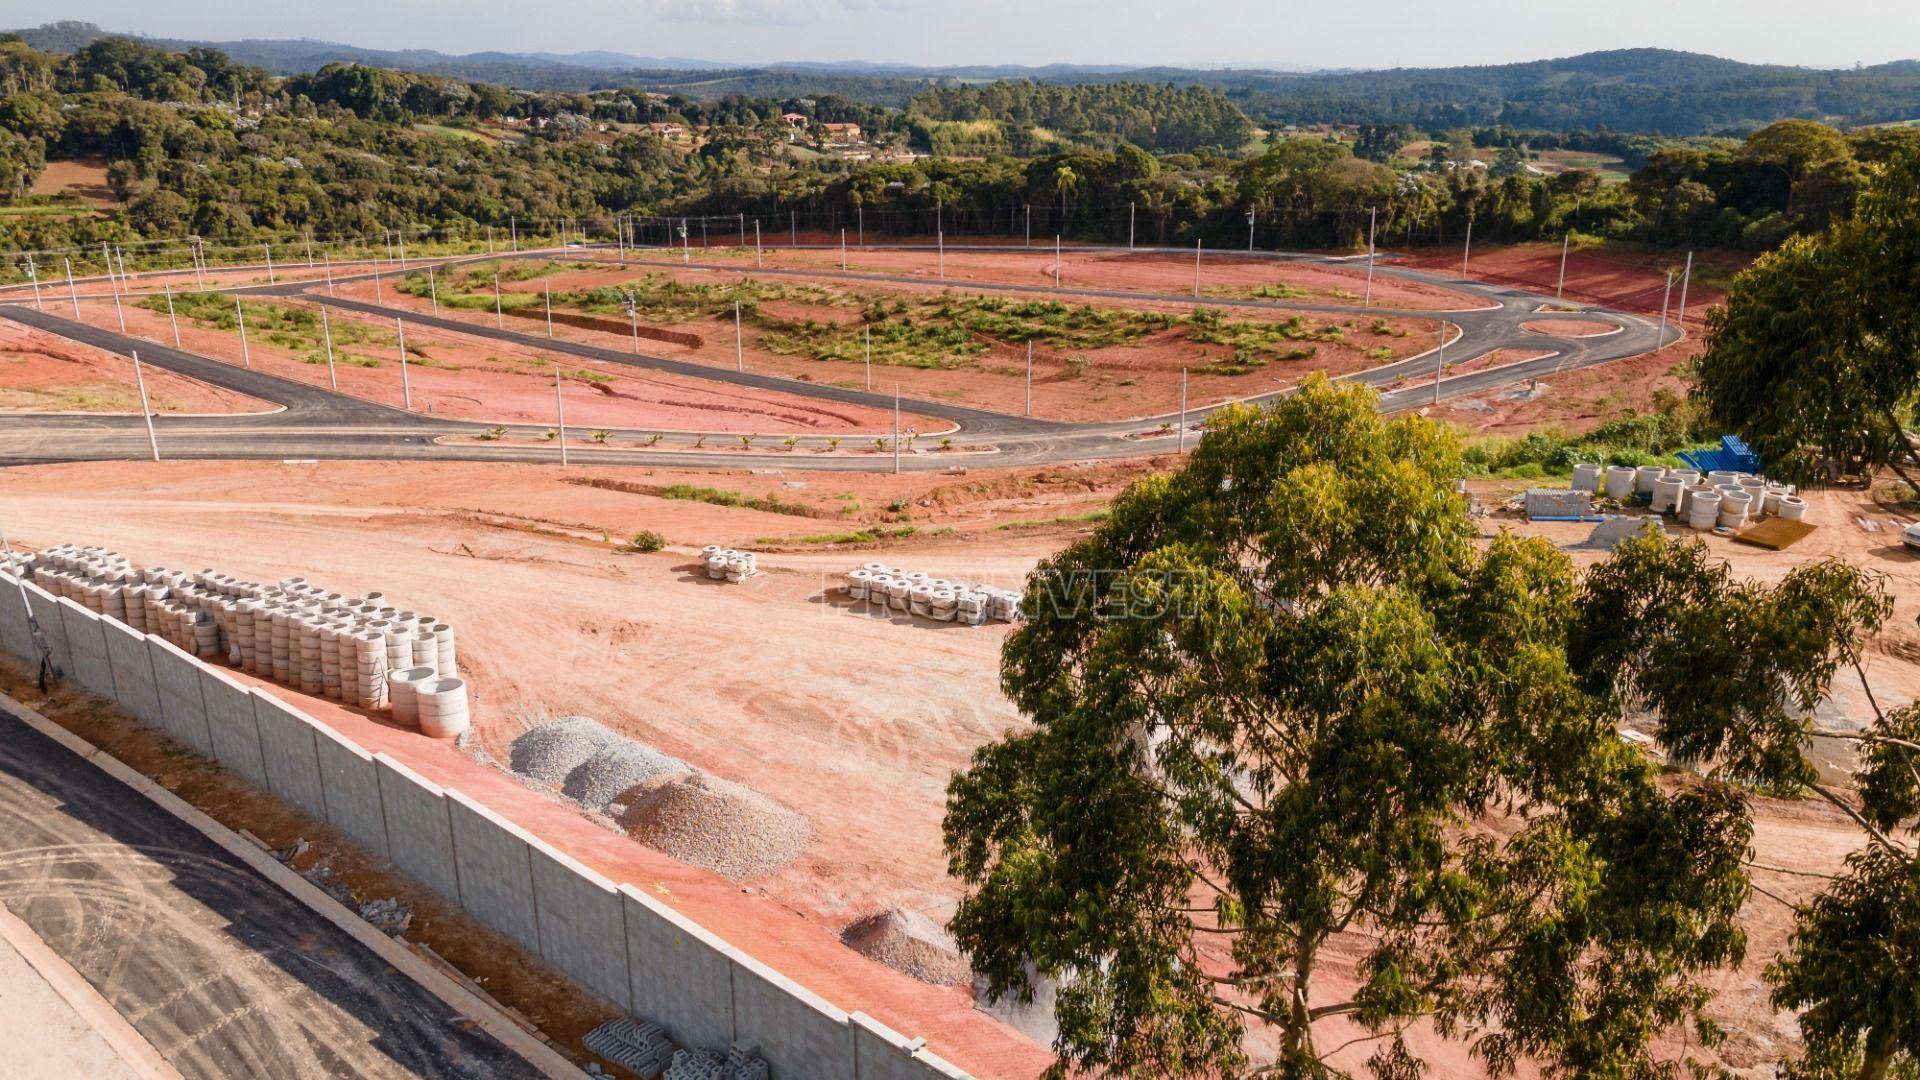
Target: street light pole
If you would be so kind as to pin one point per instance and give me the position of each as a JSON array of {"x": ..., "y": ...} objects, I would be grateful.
[
  {"x": 146, "y": 409},
  {"x": 168, "y": 289},
  {"x": 240, "y": 317},
  {"x": 1029, "y": 378},
  {"x": 1680, "y": 316},
  {"x": 1560, "y": 288},
  {"x": 739, "y": 346},
  {"x": 326, "y": 336},
  {"x": 1373, "y": 220},
  {"x": 560, "y": 414},
  {"x": 1183, "y": 410},
  {"x": 406, "y": 387}
]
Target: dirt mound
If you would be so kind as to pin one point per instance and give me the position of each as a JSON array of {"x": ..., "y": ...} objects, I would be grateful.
[
  {"x": 708, "y": 822},
  {"x": 910, "y": 942},
  {"x": 615, "y": 769},
  {"x": 551, "y": 752}
]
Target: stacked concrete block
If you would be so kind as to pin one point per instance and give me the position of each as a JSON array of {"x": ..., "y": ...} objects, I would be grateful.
[
  {"x": 182, "y": 700},
  {"x": 289, "y": 740},
  {"x": 496, "y": 870},
  {"x": 941, "y": 599},
  {"x": 681, "y": 974},
  {"x": 419, "y": 827},
  {"x": 639, "y": 1046},
  {"x": 799, "y": 1033},
  {"x": 728, "y": 564},
  {"x": 352, "y": 784}
]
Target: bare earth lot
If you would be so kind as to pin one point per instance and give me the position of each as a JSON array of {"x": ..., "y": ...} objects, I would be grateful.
[
  {"x": 854, "y": 722},
  {"x": 42, "y": 372}
]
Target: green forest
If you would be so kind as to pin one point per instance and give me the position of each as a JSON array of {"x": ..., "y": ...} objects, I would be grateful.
[{"x": 196, "y": 144}]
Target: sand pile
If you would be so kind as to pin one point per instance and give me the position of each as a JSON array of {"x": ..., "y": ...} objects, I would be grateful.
[
  {"x": 709, "y": 822},
  {"x": 614, "y": 769},
  {"x": 908, "y": 941},
  {"x": 549, "y": 753}
]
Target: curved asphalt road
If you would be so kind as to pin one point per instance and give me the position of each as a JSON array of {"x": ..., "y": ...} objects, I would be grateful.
[{"x": 314, "y": 422}]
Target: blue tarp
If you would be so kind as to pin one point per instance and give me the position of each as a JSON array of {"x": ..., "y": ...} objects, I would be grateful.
[{"x": 1733, "y": 455}]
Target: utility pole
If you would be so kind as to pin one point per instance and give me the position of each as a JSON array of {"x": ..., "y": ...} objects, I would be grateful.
[
  {"x": 146, "y": 409},
  {"x": 756, "y": 243},
  {"x": 489, "y": 239},
  {"x": 240, "y": 317},
  {"x": 119, "y": 313},
  {"x": 35, "y": 276},
  {"x": 869, "y": 356},
  {"x": 1439, "y": 363},
  {"x": 406, "y": 388},
  {"x": 326, "y": 335},
  {"x": 72, "y": 293},
  {"x": 860, "y": 220},
  {"x": 549, "y": 287},
  {"x": 378, "y": 296},
  {"x": 1373, "y": 219},
  {"x": 328, "y": 256},
  {"x": 1029, "y": 378},
  {"x": 1196, "y": 269},
  {"x": 843, "y": 251},
  {"x": 1665, "y": 297},
  {"x": 307, "y": 236},
  {"x": 199, "y": 263},
  {"x": 896, "y": 429},
  {"x": 1132, "y": 208},
  {"x": 1467, "y": 250},
  {"x": 268, "y": 248},
  {"x": 940, "y": 239},
  {"x": 106, "y": 256},
  {"x": 743, "y": 230},
  {"x": 433, "y": 291},
  {"x": 560, "y": 414},
  {"x": 513, "y": 234},
  {"x": 793, "y": 228},
  {"x": 1250, "y": 218},
  {"x": 739, "y": 346},
  {"x": 1680, "y": 316},
  {"x": 1029, "y": 224},
  {"x": 168, "y": 289},
  {"x": 1183, "y": 410},
  {"x": 499, "y": 317},
  {"x": 1560, "y": 287},
  {"x": 633, "y": 317}
]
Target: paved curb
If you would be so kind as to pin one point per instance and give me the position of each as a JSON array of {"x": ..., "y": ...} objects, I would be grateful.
[{"x": 482, "y": 1010}]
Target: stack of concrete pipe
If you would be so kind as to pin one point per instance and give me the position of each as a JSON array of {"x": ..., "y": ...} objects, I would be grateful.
[
  {"x": 727, "y": 564},
  {"x": 294, "y": 633},
  {"x": 441, "y": 704},
  {"x": 940, "y": 599},
  {"x": 1720, "y": 499}
]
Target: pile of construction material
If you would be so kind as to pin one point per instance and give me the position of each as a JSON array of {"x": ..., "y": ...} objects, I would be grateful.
[
  {"x": 1718, "y": 500},
  {"x": 639, "y": 1046},
  {"x": 356, "y": 650},
  {"x": 908, "y": 941},
  {"x": 727, "y": 564},
  {"x": 742, "y": 1062},
  {"x": 929, "y": 597}
]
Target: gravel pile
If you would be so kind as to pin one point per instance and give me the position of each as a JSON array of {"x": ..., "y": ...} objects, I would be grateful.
[
  {"x": 709, "y": 822},
  {"x": 908, "y": 941},
  {"x": 549, "y": 753},
  {"x": 612, "y": 771}
]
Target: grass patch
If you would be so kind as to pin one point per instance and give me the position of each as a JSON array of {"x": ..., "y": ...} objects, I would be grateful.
[
  {"x": 1652, "y": 438},
  {"x": 699, "y": 493},
  {"x": 1088, "y": 518},
  {"x": 295, "y": 329},
  {"x": 871, "y": 535}
]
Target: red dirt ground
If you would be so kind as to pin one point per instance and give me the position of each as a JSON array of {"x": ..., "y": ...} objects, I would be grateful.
[
  {"x": 43, "y": 372},
  {"x": 489, "y": 381},
  {"x": 1119, "y": 382},
  {"x": 1616, "y": 277},
  {"x": 1575, "y": 401}
]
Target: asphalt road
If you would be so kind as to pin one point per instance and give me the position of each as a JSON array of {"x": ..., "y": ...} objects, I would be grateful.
[
  {"x": 314, "y": 422},
  {"x": 216, "y": 967}
]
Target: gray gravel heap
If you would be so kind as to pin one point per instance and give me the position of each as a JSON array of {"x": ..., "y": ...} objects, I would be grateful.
[
  {"x": 614, "y": 769},
  {"x": 908, "y": 941},
  {"x": 711, "y": 823},
  {"x": 548, "y": 753}
]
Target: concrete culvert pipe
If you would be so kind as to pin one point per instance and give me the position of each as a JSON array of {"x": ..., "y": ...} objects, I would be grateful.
[
  {"x": 1733, "y": 508},
  {"x": 1644, "y": 477},
  {"x": 1620, "y": 480},
  {"x": 402, "y": 690},
  {"x": 1792, "y": 508},
  {"x": 1667, "y": 492},
  {"x": 1704, "y": 512},
  {"x": 1586, "y": 476},
  {"x": 442, "y": 706}
]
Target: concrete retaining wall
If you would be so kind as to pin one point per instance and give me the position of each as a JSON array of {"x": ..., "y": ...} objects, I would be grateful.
[
  {"x": 613, "y": 939},
  {"x": 183, "y": 705},
  {"x": 419, "y": 827}
]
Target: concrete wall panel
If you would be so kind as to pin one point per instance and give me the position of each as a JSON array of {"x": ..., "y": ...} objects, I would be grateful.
[
  {"x": 289, "y": 743},
  {"x": 419, "y": 827},
  {"x": 231, "y": 725},
  {"x": 496, "y": 870},
  {"x": 182, "y": 701},
  {"x": 87, "y": 646},
  {"x": 46, "y": 613},
  {"x": 681, "y": 976},
  {"x": 353, "y": 790},
  {"x": 132, "y": 664},
  {"x": 799, "y": 1033},
  {"x": 14, "y": 637},
  {"x": 881, "y": 1053},
  {"x": 583, "y": 931}
]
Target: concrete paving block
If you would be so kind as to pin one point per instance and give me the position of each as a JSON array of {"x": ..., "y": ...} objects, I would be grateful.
[
  {"x": 799, "y": 1033},
  {"x": 680, "y": 974},
  {"x": 583, "y": 930},
  {"x": 87, "y": 646},
  {"x": 46, "y": 614},
  {"x": 352, "y": 786},
  {"x": 132, "y": 664},
  {"x": 182, "y": 700},
  {"x": 496, "y": 870},
  {"x": 419, "y": 828},
  {"x": 881, "y": 1053},
  {"x": 231, "y": 726},
  {"x": 289, "y": 743}
]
